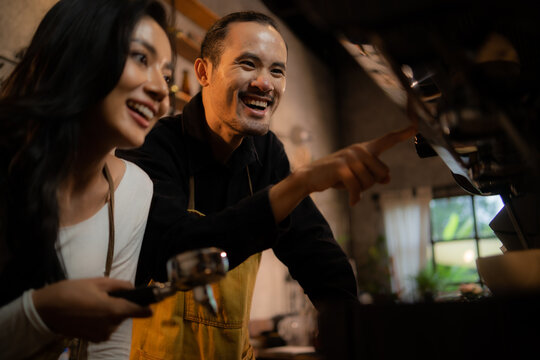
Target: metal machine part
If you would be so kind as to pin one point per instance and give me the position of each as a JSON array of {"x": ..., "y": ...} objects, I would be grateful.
[
  {"x": 472, "y": 78},
  {"x": 191, "y": 270}
]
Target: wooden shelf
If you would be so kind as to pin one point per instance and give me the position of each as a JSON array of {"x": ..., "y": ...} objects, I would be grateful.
[
  {"x": 196, "y": 12},
  {"x": 186, "y": 47}
]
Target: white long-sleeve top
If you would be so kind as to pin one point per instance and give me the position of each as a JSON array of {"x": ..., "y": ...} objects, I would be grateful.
[{"x": 83, "y": 248}]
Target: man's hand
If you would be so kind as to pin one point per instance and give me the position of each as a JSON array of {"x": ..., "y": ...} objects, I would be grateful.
[
  {"x": 355, "y": 168},
  {"x": 83, "y": 308}
]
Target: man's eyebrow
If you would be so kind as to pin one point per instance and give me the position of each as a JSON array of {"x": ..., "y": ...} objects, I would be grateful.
[
  {"x": 254, "y": 57},
  {"x": 152, "y": 50}
]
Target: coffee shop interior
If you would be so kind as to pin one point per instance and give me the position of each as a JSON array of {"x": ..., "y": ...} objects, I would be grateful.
[{"x": 445, "y": 253}]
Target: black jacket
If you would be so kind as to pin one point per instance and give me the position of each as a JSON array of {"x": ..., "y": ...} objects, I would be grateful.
[{"x": 238, "y": 223}]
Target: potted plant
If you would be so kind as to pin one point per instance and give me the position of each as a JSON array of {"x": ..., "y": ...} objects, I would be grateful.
[{"x": 428, "y": 283}]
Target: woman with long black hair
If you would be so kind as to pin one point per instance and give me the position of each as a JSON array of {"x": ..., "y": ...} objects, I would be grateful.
[{"x": 72, "y": 215}]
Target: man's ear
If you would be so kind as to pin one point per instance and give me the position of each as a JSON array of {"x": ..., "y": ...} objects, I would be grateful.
[{"x": 202, "y": 71}]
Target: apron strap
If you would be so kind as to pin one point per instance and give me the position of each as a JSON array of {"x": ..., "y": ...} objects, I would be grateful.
[
  {"x": 191, "y": 201},
  {"x": 110, "y": 200}
]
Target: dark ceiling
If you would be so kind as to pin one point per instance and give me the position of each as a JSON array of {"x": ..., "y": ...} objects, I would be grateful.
[
  {"x": 303, "y": 21},
  {"x": 409, "y": 26}
]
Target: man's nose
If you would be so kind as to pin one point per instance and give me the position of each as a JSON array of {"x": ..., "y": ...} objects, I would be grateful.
[{"x": 263, "y": 82}]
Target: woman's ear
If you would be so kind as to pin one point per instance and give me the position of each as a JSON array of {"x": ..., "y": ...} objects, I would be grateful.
[{"x": 202, "y": 71}]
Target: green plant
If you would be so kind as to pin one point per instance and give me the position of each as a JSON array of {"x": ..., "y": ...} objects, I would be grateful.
[
  {"x": 375, "y": 273},
  {"x": 429, "y": 282}
]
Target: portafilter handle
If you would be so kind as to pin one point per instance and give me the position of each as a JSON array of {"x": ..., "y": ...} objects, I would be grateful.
[{"x": 146, "y": 295}]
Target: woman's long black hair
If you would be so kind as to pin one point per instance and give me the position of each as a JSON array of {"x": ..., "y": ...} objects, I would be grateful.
[{"x": 74, "y": 60}]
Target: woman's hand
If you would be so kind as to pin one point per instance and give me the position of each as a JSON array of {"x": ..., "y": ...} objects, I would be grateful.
[{"x": 82, "y": 308}]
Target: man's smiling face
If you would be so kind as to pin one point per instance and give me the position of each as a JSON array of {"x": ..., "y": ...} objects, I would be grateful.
[{"x": 244, "y": 89}]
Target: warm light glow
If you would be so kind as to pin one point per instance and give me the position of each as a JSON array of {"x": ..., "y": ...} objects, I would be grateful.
[{"x": 468, "y": 256}]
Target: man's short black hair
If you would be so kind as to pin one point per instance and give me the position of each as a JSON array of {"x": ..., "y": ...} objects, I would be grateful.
[{"x": 212, "y": 45}]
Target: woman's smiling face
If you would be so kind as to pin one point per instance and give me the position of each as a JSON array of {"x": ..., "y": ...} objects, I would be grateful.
[{"x": 141, "y": 96}]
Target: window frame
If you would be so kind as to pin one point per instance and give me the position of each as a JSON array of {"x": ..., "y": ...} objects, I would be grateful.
[{"x": 452, "y": 192}]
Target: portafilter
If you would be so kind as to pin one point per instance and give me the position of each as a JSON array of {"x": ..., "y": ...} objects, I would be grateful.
[{"x": 191, "y": 270}]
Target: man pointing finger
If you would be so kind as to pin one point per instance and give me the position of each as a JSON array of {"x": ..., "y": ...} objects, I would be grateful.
[
  {"x": 385, "y": 142},
  {"x": 219, "y": 158}
]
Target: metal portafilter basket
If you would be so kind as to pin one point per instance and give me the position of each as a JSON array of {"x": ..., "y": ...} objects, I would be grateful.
[{"x": 191, "y": 270}]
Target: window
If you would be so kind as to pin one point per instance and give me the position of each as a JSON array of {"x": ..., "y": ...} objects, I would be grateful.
[{"x": 460, "y": 233}]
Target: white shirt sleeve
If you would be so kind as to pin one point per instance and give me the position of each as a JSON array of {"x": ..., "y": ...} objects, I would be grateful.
[{"x": 23, "y": 330}]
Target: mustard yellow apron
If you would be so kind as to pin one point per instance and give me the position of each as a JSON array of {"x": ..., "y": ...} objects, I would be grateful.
[{"x": 180, "y": 328}]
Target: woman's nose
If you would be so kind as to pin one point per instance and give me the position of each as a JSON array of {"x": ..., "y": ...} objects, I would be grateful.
[{"x": 156, "y": 86}]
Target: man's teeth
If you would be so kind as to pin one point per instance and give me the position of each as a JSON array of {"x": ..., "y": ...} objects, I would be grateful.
[
  {"x": 142, "y": 109},
  {"x": 258, "y": 103}
]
